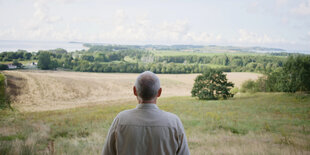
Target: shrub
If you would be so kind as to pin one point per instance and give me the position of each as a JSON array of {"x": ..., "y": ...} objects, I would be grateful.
[
  {"x": 234, "y": 90},
  {"x": 4, "y": 102},
  {"x": 3, "y": 67},
  {"x": 248, "y": 86}
]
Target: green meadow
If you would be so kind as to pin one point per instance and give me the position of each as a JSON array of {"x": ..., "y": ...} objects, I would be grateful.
[{"x": 259, "y": 123}]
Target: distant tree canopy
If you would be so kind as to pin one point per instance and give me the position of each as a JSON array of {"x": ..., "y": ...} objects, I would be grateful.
[
  {"x": 4, "y": 100},
  {"x": 19, "y": 54},
  {"x": 212, "y": 85},
  {"x": 294, "y": 76},
  {"x": 17, "y": 64},
  {"x": 45, "y": 62},
  {"x": 135, "y": 59},
  {"x": 3, "y": 67}
]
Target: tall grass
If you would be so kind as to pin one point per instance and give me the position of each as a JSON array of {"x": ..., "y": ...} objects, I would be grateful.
[{"x": 260, "y": 123}]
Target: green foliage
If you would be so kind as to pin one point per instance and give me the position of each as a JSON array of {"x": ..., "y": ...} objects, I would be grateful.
[
  {"x": 212, "y": 85},
  {"x": 3, "y": 67},
  {"x": 135, "y": 59},
  {"x": 17, "y": 64},
  {"x": 45, "y": 62},
  {"x": 19, "y": 54},
  {"x": 251, "y": 86},
  {"x": 4, "y": 101},
  {"x": 294, "y": 76},
  {"x": 248, "y": 86},
  {"x": 234, "y": 90}
]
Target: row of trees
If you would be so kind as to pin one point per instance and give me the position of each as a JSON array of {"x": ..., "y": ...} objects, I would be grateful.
[
  {"x": 133, "y": 59},
  {"x": 18, "y": 55},
  {"x": 48, "y": 60},
  {"x": 115, "y": 62},
  {"x": 293, "y": 76}
]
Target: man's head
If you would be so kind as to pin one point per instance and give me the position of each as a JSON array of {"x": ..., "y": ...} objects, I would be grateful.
[{"x": 147, "y": 87}]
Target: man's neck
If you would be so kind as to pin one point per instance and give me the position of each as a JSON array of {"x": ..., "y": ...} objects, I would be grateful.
[{"x": 147, "y": 101}]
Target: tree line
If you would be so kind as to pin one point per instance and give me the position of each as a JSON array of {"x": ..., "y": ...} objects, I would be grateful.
[
  {"x": 133, "y": 59},
  {"x": 292, "y": 77}
]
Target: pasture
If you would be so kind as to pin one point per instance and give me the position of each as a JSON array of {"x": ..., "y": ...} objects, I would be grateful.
[
  {"x": 70, "y": 113},
  {"x": 252, "y": 124}
]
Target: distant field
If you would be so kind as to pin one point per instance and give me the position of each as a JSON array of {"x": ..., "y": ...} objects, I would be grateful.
[
  {"x": 49, "y": 90},
  {"x": 261, "y": 123},
  {"x": 22, "y": 62}
]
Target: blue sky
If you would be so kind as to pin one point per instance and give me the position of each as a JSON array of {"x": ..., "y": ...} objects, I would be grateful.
[{"x": 271, "y": 23}]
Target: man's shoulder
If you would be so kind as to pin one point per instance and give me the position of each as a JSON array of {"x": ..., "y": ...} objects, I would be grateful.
[
  {"x": 125, "y": 113},
  {"x": 156, "y": 117},
  {"x": 170, "y": 115}
]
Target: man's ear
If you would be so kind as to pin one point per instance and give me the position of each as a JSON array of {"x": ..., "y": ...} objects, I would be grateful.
[
  {"x": 159, "y": 92},
  {"x": 135, "y": 91}
]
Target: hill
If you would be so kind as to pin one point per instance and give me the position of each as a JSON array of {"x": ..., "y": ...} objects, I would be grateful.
[
  {"x": 50, "y": 90},
  {"x": 262, "y": 123}
]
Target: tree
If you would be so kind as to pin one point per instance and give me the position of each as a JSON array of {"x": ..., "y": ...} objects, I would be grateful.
[
  {"x": 17, "y": 64},
  {"x": 212, "y": 85},
  {"x": 296, "y": 72},
  {"x": 3, "y": 67},
  {"x": 45, "y": 61}
]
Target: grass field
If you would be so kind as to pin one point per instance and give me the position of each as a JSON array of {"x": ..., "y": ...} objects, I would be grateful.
[
  {"x": 261, "y": 123},
  {"x": 70, "y": 113},
  {"x": 22, "y": 62}
]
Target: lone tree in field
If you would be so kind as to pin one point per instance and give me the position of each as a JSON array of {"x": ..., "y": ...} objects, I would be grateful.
[{"x": 212, "y": 85}]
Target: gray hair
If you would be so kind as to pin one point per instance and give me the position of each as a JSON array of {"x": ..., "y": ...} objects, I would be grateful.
[{"x": 147, "y": 85}]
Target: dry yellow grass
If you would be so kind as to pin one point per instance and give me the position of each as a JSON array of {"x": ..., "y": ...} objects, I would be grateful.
[{"x": 51, "y": 90}]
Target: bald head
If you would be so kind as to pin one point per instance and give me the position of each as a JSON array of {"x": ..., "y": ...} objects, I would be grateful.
[{"x": 147, "y": 85}]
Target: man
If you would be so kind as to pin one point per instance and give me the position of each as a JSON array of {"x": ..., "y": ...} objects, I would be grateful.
[{"x": 146, "y": 130}]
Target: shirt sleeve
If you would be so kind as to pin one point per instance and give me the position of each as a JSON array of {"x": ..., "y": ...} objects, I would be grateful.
[
  {"x": 109, "y": 147},
  {"x": 183, "y": 146}
]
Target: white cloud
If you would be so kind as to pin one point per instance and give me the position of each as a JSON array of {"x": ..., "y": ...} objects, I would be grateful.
[
  {"x": 256, "y": 38},
  {"x": 280, "y": 3},
  {"x": 253, "y": 7},
  {"x": 302, "y": 9},
  {"x": 141, "y": 29},
  {"x": 122, "y": 28}
]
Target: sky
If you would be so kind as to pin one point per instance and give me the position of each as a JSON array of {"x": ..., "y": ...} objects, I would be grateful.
[{"x": 269, "y": 23}]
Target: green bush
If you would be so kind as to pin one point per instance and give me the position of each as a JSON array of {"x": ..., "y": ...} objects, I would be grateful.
[
  {"x": 4, "y": 102},
  {"x": 248, "y": 86},
  {"x": 234, "y": 90},
  {"x": 251, "y": 86}
]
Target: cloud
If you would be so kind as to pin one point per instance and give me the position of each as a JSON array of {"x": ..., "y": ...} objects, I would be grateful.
[
  {"x": 253, "y": 7},
  {"x": 302, "y": 9},
  {"x": 141, "y": 29},
  {"x": 256, "y": 38},
  {"x": 9, "y": 32},
  {"x": 280, "y": 3}
]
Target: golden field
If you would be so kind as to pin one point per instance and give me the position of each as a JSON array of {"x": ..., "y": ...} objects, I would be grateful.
[{"x": 59, "y": 89}]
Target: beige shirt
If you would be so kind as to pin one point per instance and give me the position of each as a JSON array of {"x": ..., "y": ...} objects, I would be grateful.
[{"x": 146, "y": 130}]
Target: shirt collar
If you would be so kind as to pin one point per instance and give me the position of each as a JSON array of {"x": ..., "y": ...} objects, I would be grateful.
[{"x": 147, "y": 106}]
